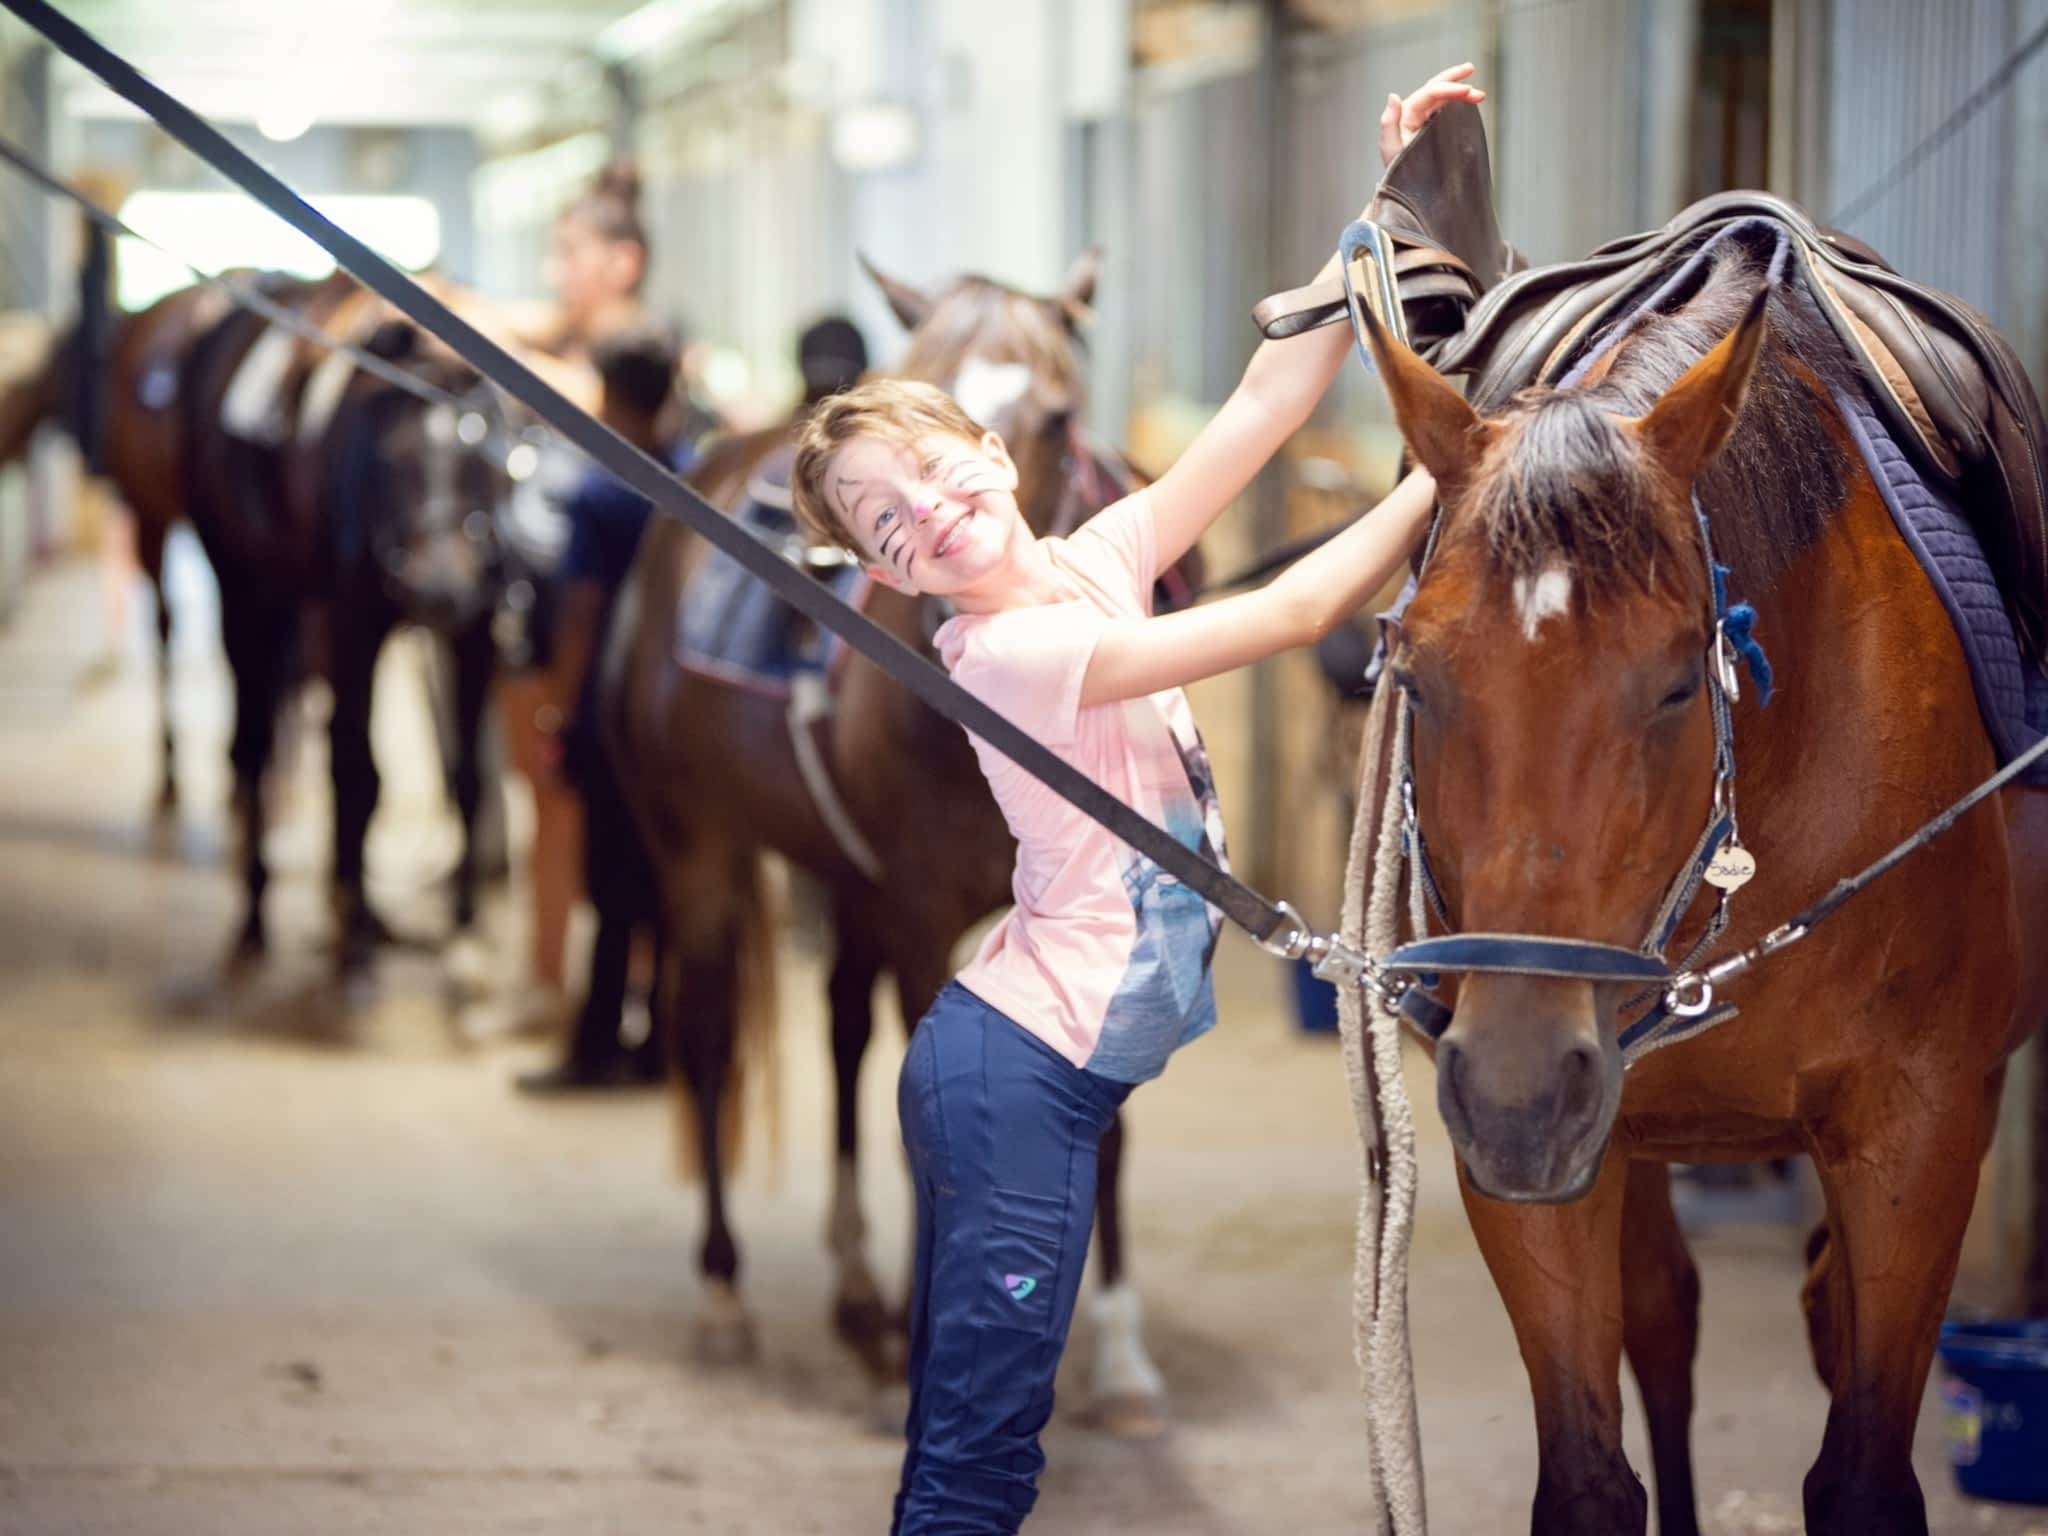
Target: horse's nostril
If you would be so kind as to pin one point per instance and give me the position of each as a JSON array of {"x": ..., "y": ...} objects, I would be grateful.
[
  {"x": 1450, "y": 1070},
  {"x": 1578, "y": 1082}
]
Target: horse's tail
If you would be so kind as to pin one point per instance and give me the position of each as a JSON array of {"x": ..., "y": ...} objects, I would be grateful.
[{"x": 753, "y": 1068}]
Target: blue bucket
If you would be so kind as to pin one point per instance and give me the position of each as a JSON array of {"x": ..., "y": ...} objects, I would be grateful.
[
  {"x": 1996, "y": 1391},
  {"x": 1315, "y": 1000}
]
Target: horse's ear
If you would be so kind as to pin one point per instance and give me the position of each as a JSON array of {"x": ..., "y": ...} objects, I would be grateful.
[
  {"x": 910, "y": 306},
  {"x": 1077, "y": 294},
  {"x": 1686, "y": 428},
  {"x": 1446, "y": 435}
]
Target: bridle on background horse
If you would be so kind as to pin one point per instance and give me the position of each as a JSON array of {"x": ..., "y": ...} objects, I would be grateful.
[{"x": 1689, "y": 996}]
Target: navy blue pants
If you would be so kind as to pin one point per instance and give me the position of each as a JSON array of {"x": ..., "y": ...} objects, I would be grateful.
[{"x": 1002, "y": 1133}]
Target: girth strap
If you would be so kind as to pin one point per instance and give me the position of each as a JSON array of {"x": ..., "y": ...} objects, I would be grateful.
[{"x": 810, "y": 705}]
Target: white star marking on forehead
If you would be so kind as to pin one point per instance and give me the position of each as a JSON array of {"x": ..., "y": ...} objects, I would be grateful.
[
  {"x": 1542, "y": 597},
  {"x": 985, "y": 390}
]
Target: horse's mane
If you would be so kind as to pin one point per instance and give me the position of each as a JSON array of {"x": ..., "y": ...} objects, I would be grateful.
[
  {"x": 1565, "y": 481},
  {"x": 977, "y": 317}
]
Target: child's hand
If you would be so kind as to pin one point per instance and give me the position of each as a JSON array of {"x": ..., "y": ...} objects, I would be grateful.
[{"x": 1402, "y": 120}]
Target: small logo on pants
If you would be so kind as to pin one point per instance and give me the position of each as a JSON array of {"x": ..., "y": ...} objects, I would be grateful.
[{"x": 1019, "y": 1286}]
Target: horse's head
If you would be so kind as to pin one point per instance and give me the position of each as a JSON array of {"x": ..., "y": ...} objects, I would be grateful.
[
  {"x": 1014, "y": 361},
  {"x": 1554, "y": 661},
  {"x": 432, "y": 514}
]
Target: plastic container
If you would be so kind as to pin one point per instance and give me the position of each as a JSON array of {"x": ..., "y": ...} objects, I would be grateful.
[
  {"x": 1315, "y": 1000},
  {"x": 1995, "y": 1386}
]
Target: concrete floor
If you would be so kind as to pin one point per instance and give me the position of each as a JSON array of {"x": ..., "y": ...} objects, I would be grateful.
[{"x": 273, "y": 1266}]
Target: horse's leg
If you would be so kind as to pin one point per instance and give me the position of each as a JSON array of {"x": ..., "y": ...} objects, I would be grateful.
[
  {"x": 1558, "y": 1270},
  {"x": 357, "y": 640},
  {"x": 474, "y": 658},
  {"x": 248, "y": 637},
  {"x": 1820, "y": 1298},
  {"x": 1899, "y": 1197},
  {"x": 1660, "y": 1331},
  {"x": 700, "y": 1005},
  {"x": 858, "y": 1313},
  {"x": 1126, "y": 1392},
  {"x": 149, "y": 549}
]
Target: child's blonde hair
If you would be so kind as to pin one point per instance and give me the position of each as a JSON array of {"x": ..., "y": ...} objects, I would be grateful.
[{"x": 896, "y": 410}]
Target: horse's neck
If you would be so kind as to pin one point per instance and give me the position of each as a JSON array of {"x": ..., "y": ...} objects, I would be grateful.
[{"x": 1874, "y": 716}]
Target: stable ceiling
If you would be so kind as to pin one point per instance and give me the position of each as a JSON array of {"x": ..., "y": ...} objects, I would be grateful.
[{"x": 486, "y": 64}]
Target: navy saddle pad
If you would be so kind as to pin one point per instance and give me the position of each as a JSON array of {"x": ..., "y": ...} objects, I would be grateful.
[{"x": 732, "y": 625}]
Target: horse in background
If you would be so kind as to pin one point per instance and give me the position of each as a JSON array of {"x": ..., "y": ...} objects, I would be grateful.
[
  {"x": 713, "y": 769},
  {"x": 142, "y": 446},
  {"x": 319, "y": 489},
  {"x": 1554, "y": 666}
]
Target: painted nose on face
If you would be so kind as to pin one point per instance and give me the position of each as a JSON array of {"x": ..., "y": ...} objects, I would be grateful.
[{"x": 1528, "y": 1084}]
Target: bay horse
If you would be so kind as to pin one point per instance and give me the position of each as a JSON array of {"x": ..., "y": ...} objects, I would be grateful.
[
  {"x": 143, "y": 446},
  {"x": 715, "y": 782},
  {"x": 1554, "y": 662},
  {"x": 370, "y": 506}
]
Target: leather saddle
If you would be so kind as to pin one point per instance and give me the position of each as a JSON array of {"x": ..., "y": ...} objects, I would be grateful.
[{"x": 1948, "y": 384}]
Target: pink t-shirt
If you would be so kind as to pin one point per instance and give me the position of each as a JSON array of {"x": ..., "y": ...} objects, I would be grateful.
[{"x": 1105, "y": 956}]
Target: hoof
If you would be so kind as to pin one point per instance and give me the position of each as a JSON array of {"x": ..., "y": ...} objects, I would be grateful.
[
  {"x": 890, "y": 1409},
  {"x": 247, "y": 957},
  {"x": 724, "y": 1332},
  {"x": 468, "y": 967},
  {"x": 355, "y": 989},
  {"x": 1131, "y": 1416},
  {"x": 164, "y": 836},
  {"x": 878, "y": 1338}
]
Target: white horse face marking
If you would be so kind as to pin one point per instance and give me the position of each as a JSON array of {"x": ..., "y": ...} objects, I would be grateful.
[
  {"x": 987, "y": 390},
  {"x": 1542, "y": 597}
]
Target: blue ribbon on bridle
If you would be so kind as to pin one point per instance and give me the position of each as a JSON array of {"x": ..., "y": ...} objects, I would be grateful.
[{"x": 1738, "y": 623}]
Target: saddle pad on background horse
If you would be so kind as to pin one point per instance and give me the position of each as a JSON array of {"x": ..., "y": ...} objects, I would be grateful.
[{"x": 733, "y": 626}]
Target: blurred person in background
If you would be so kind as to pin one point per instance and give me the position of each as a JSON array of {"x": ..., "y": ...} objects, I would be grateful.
[
  {"x": 637, "y": 364},
  {"x": 832, "y": 355},
  {"x": 596, "y": 269}
]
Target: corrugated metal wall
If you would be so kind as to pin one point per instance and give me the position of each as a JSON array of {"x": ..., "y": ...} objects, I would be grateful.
[
  {"x": 1896, "y": 70},
  {"x": 1199, "y": 234},
  {"x": 24, "y": 210},
  {"x": 1571, "y": 124},
  {"x": 749, "y": 238},
  {"x": 1971, "y": 215}
]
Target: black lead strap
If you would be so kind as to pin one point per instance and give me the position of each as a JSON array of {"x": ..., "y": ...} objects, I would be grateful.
[{"x": 1261, "y": 918}]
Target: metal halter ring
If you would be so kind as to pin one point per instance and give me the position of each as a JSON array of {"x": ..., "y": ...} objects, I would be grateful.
[{"x": 1690, "y": 996}]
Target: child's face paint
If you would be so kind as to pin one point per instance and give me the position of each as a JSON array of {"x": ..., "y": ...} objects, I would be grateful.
[{"x": 938, "y": 516}]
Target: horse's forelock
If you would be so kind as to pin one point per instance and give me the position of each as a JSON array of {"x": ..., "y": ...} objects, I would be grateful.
[
  {"x": 1565, "y": 479},
  {"x": 1565, "y": 483}
]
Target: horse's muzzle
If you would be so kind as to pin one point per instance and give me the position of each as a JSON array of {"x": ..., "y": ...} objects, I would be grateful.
[{"x": 1528, "y": 1084}]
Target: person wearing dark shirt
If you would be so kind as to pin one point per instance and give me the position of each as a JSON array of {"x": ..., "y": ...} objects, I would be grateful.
[{"x": 638, "y": 366}]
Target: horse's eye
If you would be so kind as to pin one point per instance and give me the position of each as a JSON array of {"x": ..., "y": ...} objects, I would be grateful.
[
  {"x": 1681, "y": 695},
  {"x": 1405, "y": 681}
]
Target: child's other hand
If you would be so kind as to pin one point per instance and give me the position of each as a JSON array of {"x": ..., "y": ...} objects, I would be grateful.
[{"x": 1402, "y": 120}]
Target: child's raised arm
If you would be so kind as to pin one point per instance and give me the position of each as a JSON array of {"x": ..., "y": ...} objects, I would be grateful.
[
  {"x": 1284, "y": 379},
  {"x": 1135, "y": 657}
]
